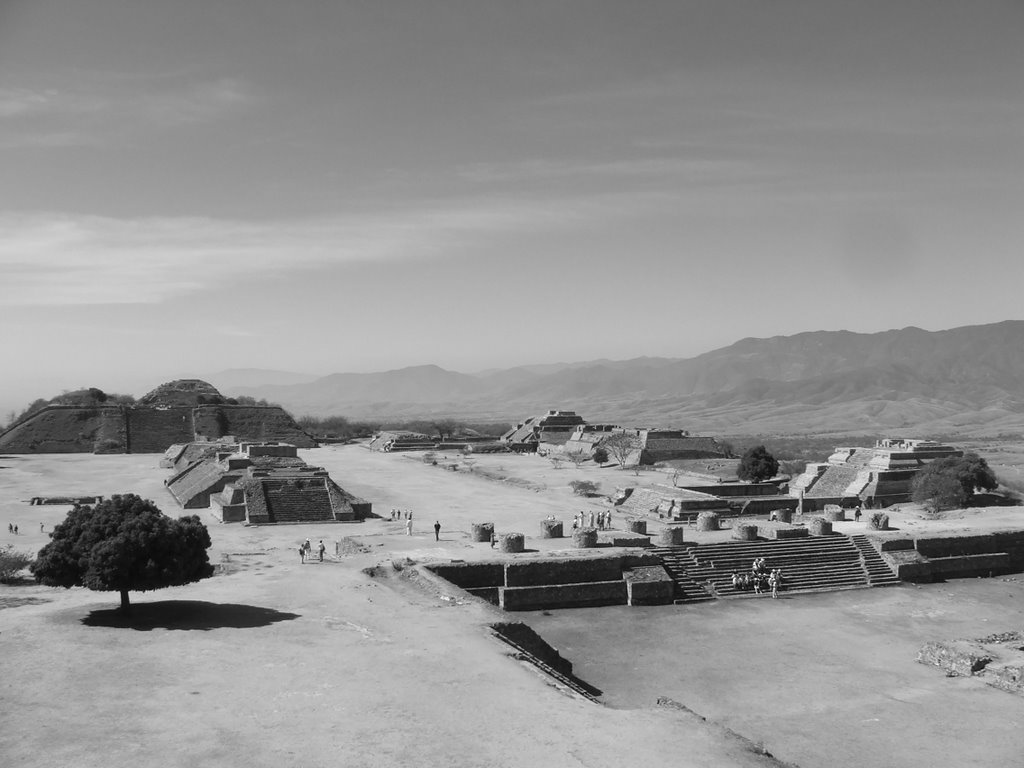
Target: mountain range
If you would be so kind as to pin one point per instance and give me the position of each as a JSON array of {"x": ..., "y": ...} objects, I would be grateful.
[{"x": 967, "y": 381}]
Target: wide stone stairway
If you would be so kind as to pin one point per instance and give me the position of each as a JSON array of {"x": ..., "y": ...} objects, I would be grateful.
[
  {"x": 298, "y": 501},
  {"x": 815, "y": 564}
]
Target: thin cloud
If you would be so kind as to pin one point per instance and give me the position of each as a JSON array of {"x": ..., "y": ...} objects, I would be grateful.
[
  {"x": 99, "y": 107},
  {"x": 65, "y": 260}
]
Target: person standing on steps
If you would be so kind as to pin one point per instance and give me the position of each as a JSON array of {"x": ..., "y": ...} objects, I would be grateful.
[{"x": 437, "y": 530}]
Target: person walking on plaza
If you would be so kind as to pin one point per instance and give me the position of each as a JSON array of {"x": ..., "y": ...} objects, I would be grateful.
[
  {"x": 321, "y": 549},
  {"x": 408, "y": 527},
  {"x": 302, "y": 554},
  {"x": 437, "y": 530}
]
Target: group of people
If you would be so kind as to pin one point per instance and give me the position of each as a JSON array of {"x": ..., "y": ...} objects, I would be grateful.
[
  {"x": 601, "y": 520},
  {"x": 12, "y": 528},
  {"x": 398, "y": 514},
  {"x": 759, "y": 578},
  {"x": 306, "y": 550}
]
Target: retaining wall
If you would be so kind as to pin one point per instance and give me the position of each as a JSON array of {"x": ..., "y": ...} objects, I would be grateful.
[
  {"x": 471, "y": 575},
  {"x": 947, "y": 546},
  {"x": 529, "y": 573},
  {"x": 524, "y": 636},
  {"x": 564, "y": 596}
]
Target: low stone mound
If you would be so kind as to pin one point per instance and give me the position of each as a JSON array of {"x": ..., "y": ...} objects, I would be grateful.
[{"x": 183, "y": 392}]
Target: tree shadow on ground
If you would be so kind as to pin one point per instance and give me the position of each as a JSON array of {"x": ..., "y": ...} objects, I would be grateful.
[{"x": 188, "y": 615}]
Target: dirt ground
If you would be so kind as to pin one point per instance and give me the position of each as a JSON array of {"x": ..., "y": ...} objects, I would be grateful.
[{"x": 273, "y": 662}]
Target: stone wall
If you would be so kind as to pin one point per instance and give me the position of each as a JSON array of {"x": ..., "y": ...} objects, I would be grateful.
[
  {"x": 566, "y": 571},
  {"x": 948, "y": 546},
  {"x": 523, "y": 635},
  {"x": 564, "y": 596},
  {"x": 471, "y": 575}
]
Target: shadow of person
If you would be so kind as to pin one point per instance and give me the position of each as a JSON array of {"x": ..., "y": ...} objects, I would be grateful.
[{"x": 187, "y": 615}]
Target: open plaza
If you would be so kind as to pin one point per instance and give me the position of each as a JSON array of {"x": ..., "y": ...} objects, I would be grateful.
[{"x": 370, "y": 659}]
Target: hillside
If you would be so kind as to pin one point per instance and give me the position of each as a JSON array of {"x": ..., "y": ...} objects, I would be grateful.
[{"x": 967, "y": 380}]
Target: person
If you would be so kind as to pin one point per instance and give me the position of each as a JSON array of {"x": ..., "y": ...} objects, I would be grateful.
[
  {"x": 321, "y": 549},
  {"x": 735, "y": 580},
  {"x": 757, "y": 584},
  {"x": 308, "y": 547},
  {"x": 609, "y": 521},
  {"x": 856, "y": 514},
  {"x": 40, "y": 527},
  {"x": 408, "y": 527},
  {"x": 15, "y": 529},
  {"x": 773, "y": 582},
  {"x": 493, "y": 539},
  {"x": 302, "y": 553},
  {"x": 592, "y": 521},
  {"x": 437, "y": 530}
]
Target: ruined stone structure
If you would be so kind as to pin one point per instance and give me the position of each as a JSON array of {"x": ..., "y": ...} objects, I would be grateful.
[
  {"x": 395, "y": 441},
  {"x": 684, "y": 504},
  {"x": 877, "y": 476},
  {"x": 552, "y": 430},
  {"x": 672, "y": 504},
  {"x": 173, "y": 413},
  {"x": 263, "y": 483},
  {"x": 653, "y": 445}
]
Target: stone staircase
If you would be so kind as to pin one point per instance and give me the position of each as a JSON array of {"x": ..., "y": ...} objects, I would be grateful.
[
  {"x": 304, "y": 500},
  {"x": 879, "y": 573},
  {"x": 833, "y": 482},
  {"x": 815, "y": 564},
  {"x": 677, "y": 562}
]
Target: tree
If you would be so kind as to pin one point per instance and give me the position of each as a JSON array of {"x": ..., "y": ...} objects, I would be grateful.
[
  {"x": 621, "y": 446},
  {"x": 445, "y": 427},
  {"x": 599, "y": 455},
  {"x": 124, "y": 544},
  {"x": 757, "y": 465},
  {"x": 577, "y": 457},
  {"x": 950, "y": 483}
]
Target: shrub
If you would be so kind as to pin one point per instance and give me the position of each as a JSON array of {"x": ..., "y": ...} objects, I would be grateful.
[
  {"x": 11, "y": 563},
  {"x": 584, "y": 487}
]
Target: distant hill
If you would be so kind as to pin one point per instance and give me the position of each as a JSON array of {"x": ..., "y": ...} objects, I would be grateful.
[
  {"x": 256, "y": 377},
  {"x": 967, "y": 380}
]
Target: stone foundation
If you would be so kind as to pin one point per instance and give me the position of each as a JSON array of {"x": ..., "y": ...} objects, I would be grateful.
[
  {"x": 512, "y": 542},
  {"x": 551, "y": 529},
  {"x": 707, "y": 521},
  {"x": 818, "y": 526},
  {"x": 637, "y": 526},
  {"x": 585, "y": 538},
  {"x": 481, "y": 531},
  {"x": 669, "y": 537},
  {"x": 745, "y": 532}
]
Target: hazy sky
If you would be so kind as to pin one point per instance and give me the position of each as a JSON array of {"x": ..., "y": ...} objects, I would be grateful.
[{"x": 343, "y": 185}]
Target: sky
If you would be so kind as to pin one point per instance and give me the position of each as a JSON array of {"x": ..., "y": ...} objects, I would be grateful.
[{"x": 356, "y": 185}]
